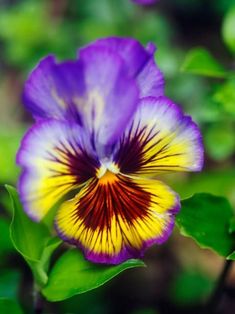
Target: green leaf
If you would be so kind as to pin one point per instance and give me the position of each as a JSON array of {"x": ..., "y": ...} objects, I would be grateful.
[
  {"x": 200, "y": 61},
  {"x": 228, "y": 29},
  {"x": 231, "y": 256},
  {"x": 9, "y": 306},
  {"x": 28, "y": 237},
  {"x": 72, "y": 275},
  {"x": 40, "y": 267},
  {"x": 32, "y": 240},
  {"x": 205, "y": 218}
]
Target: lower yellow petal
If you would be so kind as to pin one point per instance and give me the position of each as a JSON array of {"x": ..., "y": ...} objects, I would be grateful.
[{"x": 115, "y": 218}]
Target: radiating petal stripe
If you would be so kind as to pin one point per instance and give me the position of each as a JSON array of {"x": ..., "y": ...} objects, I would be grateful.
[
  {"x": 159, "y": 138},
  {"x": 115, "y": 218},
  {"x": 55, "y": 157}
]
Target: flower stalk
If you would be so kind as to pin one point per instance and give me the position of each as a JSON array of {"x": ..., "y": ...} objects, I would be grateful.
[{"x": 215, "y": 298}]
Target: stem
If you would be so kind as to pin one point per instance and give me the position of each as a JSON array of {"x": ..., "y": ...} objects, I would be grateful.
[
  {"x": 219, "y": 288},
  {"x": 37, "y": 300}
]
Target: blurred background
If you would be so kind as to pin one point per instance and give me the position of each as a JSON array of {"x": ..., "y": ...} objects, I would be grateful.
[{"x": 179, "y": 276}]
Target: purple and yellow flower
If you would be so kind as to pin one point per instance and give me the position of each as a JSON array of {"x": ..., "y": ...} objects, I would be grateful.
[
  {"x": 145, "y": 2},
  {"x": 104, "y": 130}
]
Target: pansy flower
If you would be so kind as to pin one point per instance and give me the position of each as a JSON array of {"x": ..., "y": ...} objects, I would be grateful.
[
  {"x": 145, "y": 2},
  {"x": 103, "y": 132}
]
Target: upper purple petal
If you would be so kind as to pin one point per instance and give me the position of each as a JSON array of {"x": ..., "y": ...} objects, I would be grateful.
[
  {"x": 139, "y": 62},
  {"x": 112, "y": 95},
  {"x": 95, "y": 91},
  {"x": 37, "y": 95},
  {"x": 51, "y": 88}
]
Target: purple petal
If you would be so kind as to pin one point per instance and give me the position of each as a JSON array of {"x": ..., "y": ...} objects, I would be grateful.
[
  {"x": 95, "y": 91},
  {"x": 145, "y": 2},
  {"x": 150, "y": 80},
  {"x": 37, "y": 96},
  {"x": 139, "y": 62},
  {"x": 112, "y": 96},
  {"x": 51, "y": 87}
]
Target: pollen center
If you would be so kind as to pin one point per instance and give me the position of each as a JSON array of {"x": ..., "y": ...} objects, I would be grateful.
[
  {"x": 107, "y": 171},
  {"x": 108, "y": 177}
]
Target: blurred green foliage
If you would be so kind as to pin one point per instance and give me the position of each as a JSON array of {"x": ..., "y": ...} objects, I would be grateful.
[
  {"x": 190, "y": 287},
  {"x": 9, "y": 306},
  {"x": 10, "y": 283},
  {"x": 200, "y": 61},
  {"x": 29, "y": 33},
  {"x": 228, "y": 29},
  {"x": 5, "y": 243}
]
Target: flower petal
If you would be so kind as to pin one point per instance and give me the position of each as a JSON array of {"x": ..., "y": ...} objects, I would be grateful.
[
  {"x": 139, "y": 62},
  {"x": 150, "y": 80},
  {"x": 55, "y": 157},
  {"x": 160, "y": 138},
  {"x": 116, "y": 218},
  {"x": 51, "y": 87},
  {"x": 111, "y": 95},
  {"x": 145, "y": 2},
  {"x": 95, "y": 92}
]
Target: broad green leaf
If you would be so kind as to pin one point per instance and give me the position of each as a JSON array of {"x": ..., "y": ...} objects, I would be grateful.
[
  {"x": 9, "y": 306},
  {"x": 50, "y": 247},
  {"x": 28, "y": 237},
  {"x": 200, "y": 61},
  {"x": 205, "y": 218},
  {"x": 40, "y": 267},
  {"x": 72, "y": 275},
  {"x": 32, "y": 240},
  {"x": 228, "y": 29},
  {"x": 231, "y": 256}
]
